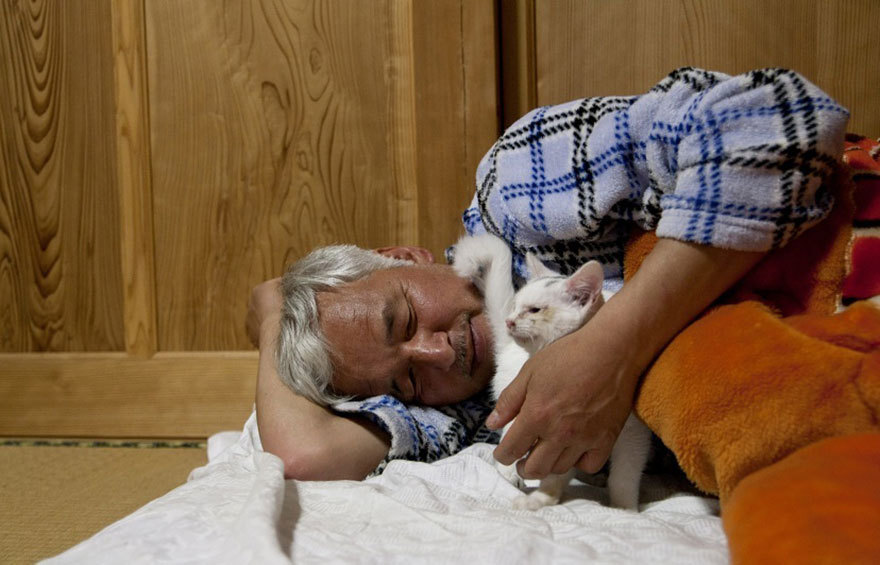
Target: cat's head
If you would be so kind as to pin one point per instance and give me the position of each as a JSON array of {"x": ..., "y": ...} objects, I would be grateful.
[{"x": 551, "y": 305}]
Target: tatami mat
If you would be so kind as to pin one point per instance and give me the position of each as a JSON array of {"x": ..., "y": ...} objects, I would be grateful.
[{"x": 53, "y": 495}]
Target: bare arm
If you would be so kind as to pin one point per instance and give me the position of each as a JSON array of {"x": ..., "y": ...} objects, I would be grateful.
[
  {"x": 571, "y": 399},
  {"x": 314, "y": 442}
]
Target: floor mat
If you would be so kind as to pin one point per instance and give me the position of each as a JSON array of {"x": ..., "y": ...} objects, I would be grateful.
[{"x": 56, "y": 493}]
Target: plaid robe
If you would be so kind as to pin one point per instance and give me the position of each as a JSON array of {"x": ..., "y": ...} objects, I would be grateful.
[{"x": 732, "y": 162}]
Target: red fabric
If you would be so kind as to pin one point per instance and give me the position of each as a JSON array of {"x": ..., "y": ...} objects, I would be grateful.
[
  {"x": 862, "y": 155},
  {"x": 864, "y": 280},
  {"x": 867, "y": 197}
]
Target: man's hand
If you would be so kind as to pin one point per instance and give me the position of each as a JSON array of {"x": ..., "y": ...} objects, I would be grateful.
[
  {"x": 571, "y": 399},
  {"x": 575, "y": 396},
  {"x": 264, "y": 308}
]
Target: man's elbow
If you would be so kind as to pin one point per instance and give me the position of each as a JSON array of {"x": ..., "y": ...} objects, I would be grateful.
[{"x": 303, "y": 463}]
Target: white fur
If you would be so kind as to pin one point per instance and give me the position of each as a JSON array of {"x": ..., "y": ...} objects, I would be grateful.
[{"x": 548, "y": 307}]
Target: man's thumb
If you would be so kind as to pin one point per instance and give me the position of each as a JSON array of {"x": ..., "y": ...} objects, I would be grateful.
[{"x": 509, "y": 404}]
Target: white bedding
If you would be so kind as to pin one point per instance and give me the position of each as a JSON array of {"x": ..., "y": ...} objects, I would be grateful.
[{"x": 239, "y": 509}]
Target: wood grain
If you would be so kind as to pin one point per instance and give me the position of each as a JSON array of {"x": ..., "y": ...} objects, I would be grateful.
[
  {"x": 518, "y": 63},
  {"x": 482, "y": 96},
  {"x": 456, "y": 111},
  {"x": 134, "y": 178},
  {"x": 848, "y": 61},
  {"x": 401, "y": 136},
  {"x": 598, "y": 48},
  {"x": 278, "y": 126},
  {"x": 269, "y": 128},
  {"x": 59, "y": 225},
  {"x": 116, "y": 395}
]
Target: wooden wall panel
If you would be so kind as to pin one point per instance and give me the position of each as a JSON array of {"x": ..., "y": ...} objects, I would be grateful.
[
  {"x": 848, "y": 59},
  {"x": 134, "y": 178},
  {"x": 278, "y": 126},
  {"x": 59, "y": 223},
  {"x": 116, "y": 395},
  {"x": 457, "y": 111},
  {"x": 269, "y": 128},
  {"x": 599, "y": 47}
]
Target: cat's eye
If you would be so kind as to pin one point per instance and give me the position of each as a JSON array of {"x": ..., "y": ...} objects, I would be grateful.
[{"x": 534, "y": 310}]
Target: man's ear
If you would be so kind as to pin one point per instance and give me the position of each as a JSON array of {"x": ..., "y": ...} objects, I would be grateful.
[{"x": 407, "y": 253}]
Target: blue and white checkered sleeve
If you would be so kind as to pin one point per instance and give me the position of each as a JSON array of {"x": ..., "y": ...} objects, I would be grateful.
[
  {"x": 422, "y": 433},
  {"x": 740, "y": 162}
]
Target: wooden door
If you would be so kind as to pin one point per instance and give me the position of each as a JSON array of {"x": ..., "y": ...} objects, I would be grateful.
[{"x": 160, "y": 158}]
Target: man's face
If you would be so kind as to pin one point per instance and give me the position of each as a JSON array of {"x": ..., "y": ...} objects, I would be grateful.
[{"x": 417, "y": 332}]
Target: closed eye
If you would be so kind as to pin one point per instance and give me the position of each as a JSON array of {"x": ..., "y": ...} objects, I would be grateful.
[{"x": 534, "y": 310}]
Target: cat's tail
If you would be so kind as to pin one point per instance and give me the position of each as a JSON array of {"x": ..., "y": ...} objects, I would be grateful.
[{"x": 486, "y": 260}]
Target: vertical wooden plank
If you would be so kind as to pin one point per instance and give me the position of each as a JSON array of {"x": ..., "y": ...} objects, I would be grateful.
[
  {"x": 402, "y": 131},
  {"x": 848, "y": 66},
  {"x": 482, "y": 103},
  {"x": 133, "y": 168},
  {"x": 519, "y": 70},
  {"x": 438, "y": 87},
  {"x": 59, "y": 229},
  {"x": 456, "y": 108}
]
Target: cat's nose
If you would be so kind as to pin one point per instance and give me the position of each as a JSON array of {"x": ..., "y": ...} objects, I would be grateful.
[{"x": 510, "y": 323}]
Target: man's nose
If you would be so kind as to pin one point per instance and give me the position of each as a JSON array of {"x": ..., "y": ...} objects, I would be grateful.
[{"x": 433, "y": 349}]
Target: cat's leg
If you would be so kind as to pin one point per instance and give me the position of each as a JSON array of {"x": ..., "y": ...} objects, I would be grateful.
[
  {"x": 486, "y": 261},
  {"x": 508, "y": 471},
  {"x": 510, "y": 475},
  {"x": 628, "y": 459},
  {"x": 547, "y": 494}
]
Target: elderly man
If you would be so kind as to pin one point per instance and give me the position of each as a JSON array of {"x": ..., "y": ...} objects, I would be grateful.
[{"x": 724, "y": 168}]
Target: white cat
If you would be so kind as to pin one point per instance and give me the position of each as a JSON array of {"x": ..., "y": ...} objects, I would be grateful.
[{"x": 548, "y": 307}]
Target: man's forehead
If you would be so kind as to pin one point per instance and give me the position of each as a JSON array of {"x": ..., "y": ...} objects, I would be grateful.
[
  {"x": 348, "y": 303},
  {"x": 349, "y": 320}
]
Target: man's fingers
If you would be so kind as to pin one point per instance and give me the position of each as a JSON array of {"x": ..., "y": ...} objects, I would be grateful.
[
  {"x": 508, "y": 404},
  {"x": 567, "y": 460},
  {"x": 539, "y": 462},
  {"x": 516, "y": 443},
  {"x": 592, "y": 461}
]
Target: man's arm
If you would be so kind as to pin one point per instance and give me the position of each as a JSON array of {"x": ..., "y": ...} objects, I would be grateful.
[
  {"x": 571, "y": 399},
  {"x": 314, "y": 442}
]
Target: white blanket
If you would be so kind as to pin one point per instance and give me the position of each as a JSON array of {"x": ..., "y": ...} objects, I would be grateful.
[{"x": 239, "y": 509}]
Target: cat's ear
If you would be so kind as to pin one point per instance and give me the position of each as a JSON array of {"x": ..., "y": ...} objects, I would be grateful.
[
  {"x": 537, "y": 269},
  {"x": 585, "y": 285}
]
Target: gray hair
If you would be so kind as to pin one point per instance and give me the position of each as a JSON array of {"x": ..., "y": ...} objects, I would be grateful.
[{"x": 303, "y": 356}]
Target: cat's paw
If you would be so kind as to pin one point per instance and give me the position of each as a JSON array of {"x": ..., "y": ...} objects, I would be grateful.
[
  {"x": 468, "y": 267},
  {"x": 534, "y": 501},
  {"x": 476, "y": 252},
  {"x": 510, "y": 475}
]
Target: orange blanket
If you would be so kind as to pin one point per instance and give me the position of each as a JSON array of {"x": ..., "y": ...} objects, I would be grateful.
[{"x": 761, "y": 399}]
